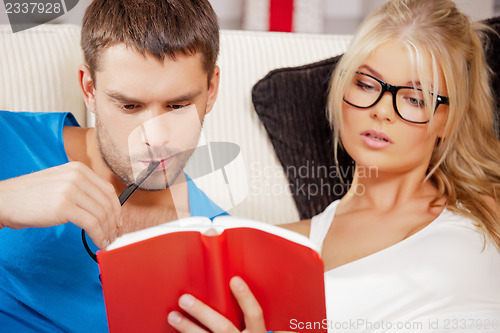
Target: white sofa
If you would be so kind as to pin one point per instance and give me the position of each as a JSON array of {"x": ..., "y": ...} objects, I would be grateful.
[{"x": 38, "y": 72}]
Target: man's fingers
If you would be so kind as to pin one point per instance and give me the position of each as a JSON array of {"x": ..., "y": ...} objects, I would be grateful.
[
  {"x": 71, "y": 192},
  {"x": 81, "y": 192},
  {"x": 96, "y": 188},
  {"x": 91, "y": 225}
]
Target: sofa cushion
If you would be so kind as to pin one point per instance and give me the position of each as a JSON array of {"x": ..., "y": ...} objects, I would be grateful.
[
  {"x": 493, "y": 58},
  {"x": 291, "y": 103}
]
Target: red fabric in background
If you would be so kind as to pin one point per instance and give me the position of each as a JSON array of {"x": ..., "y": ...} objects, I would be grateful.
[{"x": 281, "y": 15}]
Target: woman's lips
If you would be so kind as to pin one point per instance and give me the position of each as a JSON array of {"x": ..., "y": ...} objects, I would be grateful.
[{"x": 375, "y": 139}]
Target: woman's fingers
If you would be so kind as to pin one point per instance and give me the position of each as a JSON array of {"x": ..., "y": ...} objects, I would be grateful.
[
  {"x": 183, "y": 324},
  {"x": 252, "y": 311},
  {"x": 214, "y": 321}
]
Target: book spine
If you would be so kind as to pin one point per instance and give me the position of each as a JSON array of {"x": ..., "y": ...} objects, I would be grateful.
[{"x": 218, "y": 272}]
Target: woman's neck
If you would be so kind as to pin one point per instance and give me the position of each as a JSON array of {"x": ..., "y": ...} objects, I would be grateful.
[{"x": 383, "y": 190}]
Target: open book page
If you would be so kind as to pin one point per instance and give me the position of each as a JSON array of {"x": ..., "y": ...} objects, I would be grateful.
[{"x": 204, "y": 224}]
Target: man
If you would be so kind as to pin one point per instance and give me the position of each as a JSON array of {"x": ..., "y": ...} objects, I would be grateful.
[{"x": 150, "y": 77}]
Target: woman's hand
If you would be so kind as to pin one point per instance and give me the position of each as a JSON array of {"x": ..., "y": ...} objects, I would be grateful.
[{"x": 215, "y": 322}]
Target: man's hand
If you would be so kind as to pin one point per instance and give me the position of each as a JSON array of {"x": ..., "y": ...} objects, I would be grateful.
[{"x": 70, "y": 192}]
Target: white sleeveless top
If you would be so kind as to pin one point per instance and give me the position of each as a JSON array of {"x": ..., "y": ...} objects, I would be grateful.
[{"x": 437, "y": 280}]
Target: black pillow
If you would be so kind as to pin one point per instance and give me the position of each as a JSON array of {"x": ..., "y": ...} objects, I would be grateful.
[
  {"x": 492, "y": 52},
  {"x": 291, "y": 103}
]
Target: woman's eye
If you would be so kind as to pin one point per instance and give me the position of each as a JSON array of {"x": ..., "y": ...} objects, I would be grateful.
[
  {"x": 365, "y": 86},
  {"x": 419, "y": 103}
]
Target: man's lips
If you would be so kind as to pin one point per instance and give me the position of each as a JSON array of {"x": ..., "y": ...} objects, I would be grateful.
[
  {"x": 375, "y": 139},
  {"x": 163, "y": 163}
]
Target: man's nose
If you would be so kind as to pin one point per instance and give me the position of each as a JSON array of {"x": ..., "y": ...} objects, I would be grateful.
[{"x": 156, "y": 130}]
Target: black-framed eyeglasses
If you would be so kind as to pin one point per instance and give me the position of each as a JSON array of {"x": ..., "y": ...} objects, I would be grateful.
[
  {"x": 127, "y": 192},
  {"x": 365, "y": 91}
]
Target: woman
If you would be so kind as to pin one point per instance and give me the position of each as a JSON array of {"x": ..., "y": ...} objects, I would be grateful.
[{"x": 414, "y": 245}]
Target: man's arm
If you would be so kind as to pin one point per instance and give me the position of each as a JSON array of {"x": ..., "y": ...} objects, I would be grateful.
[{"x": 70, "y": 192}]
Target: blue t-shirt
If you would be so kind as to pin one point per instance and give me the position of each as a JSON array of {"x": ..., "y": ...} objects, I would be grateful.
[{"x": 48, "y": 282}]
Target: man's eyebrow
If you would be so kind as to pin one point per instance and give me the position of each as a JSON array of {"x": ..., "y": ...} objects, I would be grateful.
[
  {"x": 185, "y": 97},
  {"x": 119, "y": 96},
  {"x": 175, "y": 99}
]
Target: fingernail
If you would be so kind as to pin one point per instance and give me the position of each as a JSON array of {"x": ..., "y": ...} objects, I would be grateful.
[
  {"x": 186, "y": 300},
  {"x": 238, "y": 283},
  {"x": 174, "y": 317}
]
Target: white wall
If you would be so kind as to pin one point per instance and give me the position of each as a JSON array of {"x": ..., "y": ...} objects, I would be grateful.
[
  {"x": 477, "y": 9},
  {"x": 229, "y": 13},
  {"x": 342, "y": 16}
]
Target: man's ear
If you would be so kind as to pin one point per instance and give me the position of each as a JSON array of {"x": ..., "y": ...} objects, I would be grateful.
[
  {"x": 213, "y": 89},
  {"x": 87, "y": 87}
]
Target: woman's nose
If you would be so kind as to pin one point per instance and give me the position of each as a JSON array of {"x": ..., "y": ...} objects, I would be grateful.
[{"x": 384, "y": 109}]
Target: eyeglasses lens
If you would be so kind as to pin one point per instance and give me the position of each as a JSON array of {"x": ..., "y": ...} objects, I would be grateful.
[{"x": 364, "y": 92}]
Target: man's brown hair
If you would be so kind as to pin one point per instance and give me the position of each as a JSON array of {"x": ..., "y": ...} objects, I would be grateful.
[{"x": 158, "y": 28}]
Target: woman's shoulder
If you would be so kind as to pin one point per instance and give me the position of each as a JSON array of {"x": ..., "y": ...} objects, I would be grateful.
[{"x": 302, "y": 227}]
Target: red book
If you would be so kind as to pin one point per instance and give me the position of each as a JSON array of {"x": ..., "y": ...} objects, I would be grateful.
[{"x": 144, "y": 273}]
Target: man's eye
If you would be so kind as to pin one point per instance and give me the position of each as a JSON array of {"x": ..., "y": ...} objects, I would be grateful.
[
  {"x": 176, "y": 106},
  {"x": 128, "y": 107}
]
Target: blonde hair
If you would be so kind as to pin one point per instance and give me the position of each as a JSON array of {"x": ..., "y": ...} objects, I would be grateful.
[{"x": 465, "y": 165}]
